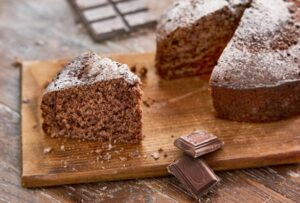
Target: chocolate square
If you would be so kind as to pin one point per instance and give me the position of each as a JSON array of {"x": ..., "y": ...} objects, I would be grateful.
[
  {"x": 198, "y": 143},
  {"x": 194, "y": 174},
  {"x": 99, "y": 16}
]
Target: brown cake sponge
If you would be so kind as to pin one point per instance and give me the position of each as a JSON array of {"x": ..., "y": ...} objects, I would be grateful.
[{"x": 94, "y": 98}]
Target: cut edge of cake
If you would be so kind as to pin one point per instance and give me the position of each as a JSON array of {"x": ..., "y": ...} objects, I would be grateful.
[
  {"x": 94, "y": 98},
  {"x": 179, "y": 53},
  {"x": 257, "y": 78}
]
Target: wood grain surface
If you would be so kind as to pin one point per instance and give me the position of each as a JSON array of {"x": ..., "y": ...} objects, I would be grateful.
[
  {"x": 171, "y": 108},
  {"x": 39, "y": 30}
]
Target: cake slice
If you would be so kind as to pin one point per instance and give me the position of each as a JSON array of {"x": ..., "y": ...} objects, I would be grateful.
[
  {"x": 192, "y": 34},
  {"x": 257, "y": 78},
  {"x": 93, "y": 98}
]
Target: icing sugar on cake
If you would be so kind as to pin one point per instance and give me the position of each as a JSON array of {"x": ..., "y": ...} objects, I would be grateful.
[
  {"x": 89, "y": 68},
  {"x": 192, "y": 34},
  {"x": 253, "y": 58},
  {"x": 183, "y": 13}
]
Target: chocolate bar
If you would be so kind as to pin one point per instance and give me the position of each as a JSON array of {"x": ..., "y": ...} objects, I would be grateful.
[
  {"x": 105, "y": 19},
  {"x": 194, "y": 174},
  {"x": 198, "y": 143}
]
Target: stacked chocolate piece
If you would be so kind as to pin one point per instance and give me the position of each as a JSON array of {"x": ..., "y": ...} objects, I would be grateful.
[
  {"x": 105, "y": 19},
  {"x": 191, "y": 170}
]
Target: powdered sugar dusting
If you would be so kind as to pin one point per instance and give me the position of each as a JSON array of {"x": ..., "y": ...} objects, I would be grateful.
[
  {"x": 89, "y": 68},
  {"x": 250, "y": 60},
  {"x": 183, "y": 13}
]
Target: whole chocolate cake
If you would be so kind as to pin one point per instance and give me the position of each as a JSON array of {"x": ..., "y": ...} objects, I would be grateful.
[
  {"x": 93, "y": 98},
  {"x": 192, "y": 34},
  {"x": 258, "y": 75}
]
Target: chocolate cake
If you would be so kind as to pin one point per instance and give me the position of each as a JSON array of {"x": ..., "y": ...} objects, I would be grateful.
[
  {"x": 94, "y": 98},
  {"x": 192, "y": 34},
  {"x": 257, "y": 78}
]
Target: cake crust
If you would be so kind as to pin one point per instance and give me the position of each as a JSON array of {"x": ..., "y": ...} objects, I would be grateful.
[{"x": 257, "y": 78}]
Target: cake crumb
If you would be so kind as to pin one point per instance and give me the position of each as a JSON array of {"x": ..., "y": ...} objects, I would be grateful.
[
  {"x": 47, "y": 150},
  {"x": 143, "y": 71},
  {"x": 155, "y": 155},
  {"x": 109, "y": 147},
  {"x": 165, "y": 155},
  {"x": 135, "y": 153},
  {"x": 102, "y": 167},
  {"x": 107, "y": 157},
  {"x": 98, "y": 151},
  {"x": 146, "y": 103},
  {"x": 160, "y": 150},
  {"x": 122, "y": 158},
  {"x": 172, "y": 136},
  {"x": 62, "y": 147},
  {"x": 133, "y": 68}
]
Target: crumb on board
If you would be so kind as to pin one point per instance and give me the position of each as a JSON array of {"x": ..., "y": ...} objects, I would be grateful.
[
  {"x": 47, "y": 150},
  {"x": 149, "y": 102},
  {"x": 139, "y": 69},
  {"x": 155, "y": 155},
  {"x": 62, "y": 147},
  {"x": 135, "y": 153},
  {"x": 143, "y": 71},
  {"x": 160, "y": 150},
  {"x": 133, "y": 68},
  {"x": 107, "y": 157},
  {"x": 122, "y": 158},
  {"x": 165, "y": 155},
  {"x": 98, "y": 151}
]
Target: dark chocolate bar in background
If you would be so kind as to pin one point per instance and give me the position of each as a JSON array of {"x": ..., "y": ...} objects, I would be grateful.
[
  {"x": 105, "y": 19},
  {"x": 194, "y": 174},
  {"x": 198, "y": 143}
]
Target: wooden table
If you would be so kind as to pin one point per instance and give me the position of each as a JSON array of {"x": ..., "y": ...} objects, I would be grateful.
[{"x": 46, "y": 29}]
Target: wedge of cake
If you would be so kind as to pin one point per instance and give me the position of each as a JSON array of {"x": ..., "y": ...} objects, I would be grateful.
[
  {"x": 192, "y": 34},
  {"x": 258, "y": 75},
  {"x": 94, "y": 98}
]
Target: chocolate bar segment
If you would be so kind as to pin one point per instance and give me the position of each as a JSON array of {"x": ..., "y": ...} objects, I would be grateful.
[
  {"x": 198, "y": 143},
  {"x": 131, "y": 6},
  {"x": 99, "y": 13},
  {"x": 140, "y": 19},
  {"x": 194, "y": 174},
  {"x": 99, "y": 16},
  {"x": 106, "y": 29}
]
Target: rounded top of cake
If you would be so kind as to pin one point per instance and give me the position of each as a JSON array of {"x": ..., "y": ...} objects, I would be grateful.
[
  {"x": 264, "y": 50},
  {"x": 89, "y": 68},
  {"x": 183, "y": 13}
]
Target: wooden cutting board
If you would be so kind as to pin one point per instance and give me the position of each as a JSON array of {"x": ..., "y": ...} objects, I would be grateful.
[{"x": 180, "y": 106}]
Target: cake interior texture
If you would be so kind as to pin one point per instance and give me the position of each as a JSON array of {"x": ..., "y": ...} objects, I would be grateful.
[
  {"x": 194, "y": 48},
  {"x": 104, "y": 110}
]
